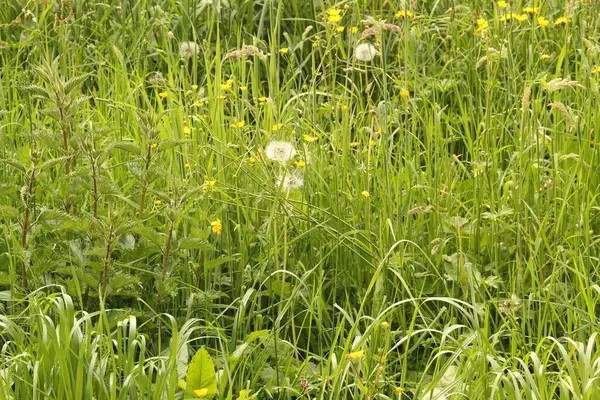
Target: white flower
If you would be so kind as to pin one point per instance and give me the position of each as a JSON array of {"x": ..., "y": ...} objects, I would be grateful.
[
  {"x": 280, "y": 151},
  {"x": 188, "y": 49},
  {"x": 365, "y": 52},
  {"x": 291, "y": 181}
]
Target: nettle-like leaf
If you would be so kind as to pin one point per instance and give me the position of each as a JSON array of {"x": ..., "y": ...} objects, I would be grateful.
[{"x": 201, "y": 379}]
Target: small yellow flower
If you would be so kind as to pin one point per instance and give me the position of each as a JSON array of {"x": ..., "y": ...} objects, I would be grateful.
[
  {"x": 262, "y": 99},
  {"x": 365, "y": 194},
  {"x": 252, "y": 160},
  {"x": 238, "y": 125},
  {"x": 502, "y": 4},
  {"x": 545, "y": 57},
  {"x": 531, "y": 10},
  {"x": 163, "y": 95},
  {"x": 277, "y": 127},
  {"x": 216, "y": 227},
  {"x": 399, "y": 390},
  {"x": 300, "y": 163},
  {"x": 154, "y": 145},
  {"x": 310, "y": 139},
  {"x": 482, "y": 26},
  {"x": 187, "y": 165},
  {"x": 386, "y": 325},
  {"x": 404, "y": 93},
  {"x": 596, "y": 70},
  {"x": 186, "y": 131},
  {"x": 404, "y": 14},
  {"x": 340, "y": 29},
  {"x": 562, "y": 20},
  {"x": 243, "y": 88},
  {"x": 194, "y": 87},
  {"x": 543, "y": 21},
  {"x": 354, "y": 144},
  {"x": 356, "y": 355},
  {"x": 201, "y": 392},
  {"x": 227, "y": 85},
  {"x": 221, "y": 97},
  {"x": 521, "y": 17},
  {"x": 334, "y": 15},
  {"x": 198, "y": 104},
  {"x": 354, "y": 29},
  {"x": 157, "y": 202},
  {"x": 284, "y": 50}
]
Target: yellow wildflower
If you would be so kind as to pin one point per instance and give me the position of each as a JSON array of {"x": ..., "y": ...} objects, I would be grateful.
[
  {"x": 227, "y": 85},
  {"x": 404, "y": 14},
  {"x": 238, "y": 125},
  {"x": 404, "y": 93},
  {"x": 186, "y": 130},
  {"x": 482, "y": 26},
  {"x": 356, "y": 355},
  {"x": 520, "y": 17},
  {"x": 386, "y": 325},
  {"x": 365, "y": 194},
  {"x": 277, "y": 127},
  {"x": 154, "y": 145},
  {"x": 310, "y": 139},
  {"x": 545, "y": 57},
  {"x": 216, "y": 227},
  {"x": 502, "y": 4},
  {"x": 596, "y": 70},
  {"x": 163, "y": 95},
  {"x": 262, "y": 99},
  {"x": 399, "y": 390},
  {"x": 243, "y": 88},
  {"x": 354, "y": 144},
  {"x": 157, "y": 202},
  {"x": 334, "y": 11},
  {"x": 284, "y": 50},
  {"x": 300, "y": 163},
  {"x": 194, "y": 87},
  {"x": 334, "y": 19},
  {"x": 562, "y": 20},
  {"x": 187, "y": 165},
  {"x": 201, "y": 392},
  {"x": 340, "y": 29},
  {"x": 543, "y": 21},
  {"x": 531, "y": 10},
  {"x": 354, "y": 29},
  {"x": 252, "y": 160}
]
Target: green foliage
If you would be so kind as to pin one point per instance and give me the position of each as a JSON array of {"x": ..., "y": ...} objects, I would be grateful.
[
  {"x": 362, "y": 199},
  {"x": 201, "y": 381}
]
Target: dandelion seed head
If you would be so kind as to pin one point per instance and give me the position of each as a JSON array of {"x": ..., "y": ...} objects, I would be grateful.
[
  {"x": 365, "y": 52},
  {"x": 280, "y": 151},
  {"x": 291, "y": 181},
  {"x": 188, "y": 50}
]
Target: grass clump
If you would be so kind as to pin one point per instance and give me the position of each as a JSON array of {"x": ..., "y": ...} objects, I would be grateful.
[{"x": 233, "y": 199}]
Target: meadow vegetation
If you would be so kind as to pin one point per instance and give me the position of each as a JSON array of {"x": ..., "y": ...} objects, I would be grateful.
[{"x": 237, "y": 199}]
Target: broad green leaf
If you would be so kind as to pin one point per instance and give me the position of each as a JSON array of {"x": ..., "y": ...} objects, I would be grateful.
[{"x": 201, "y": 379}]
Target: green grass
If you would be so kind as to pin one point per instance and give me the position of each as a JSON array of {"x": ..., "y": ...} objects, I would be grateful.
[{"x": 444, "y": 243}]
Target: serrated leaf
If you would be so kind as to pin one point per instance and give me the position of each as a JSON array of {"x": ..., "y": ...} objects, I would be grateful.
[
  {"x": 201, "y": 377},
  {"x": 169, "y": 144},
  {"x": 74, "y": 82},
  {"x": 128, "y": 146}
]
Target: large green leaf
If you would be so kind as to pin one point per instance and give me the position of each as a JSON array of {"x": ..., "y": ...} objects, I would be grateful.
[{"x": 201, "y": 379}]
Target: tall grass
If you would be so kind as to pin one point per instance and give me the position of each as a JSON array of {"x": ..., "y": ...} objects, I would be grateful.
[{"x": 434, "y": 236}]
